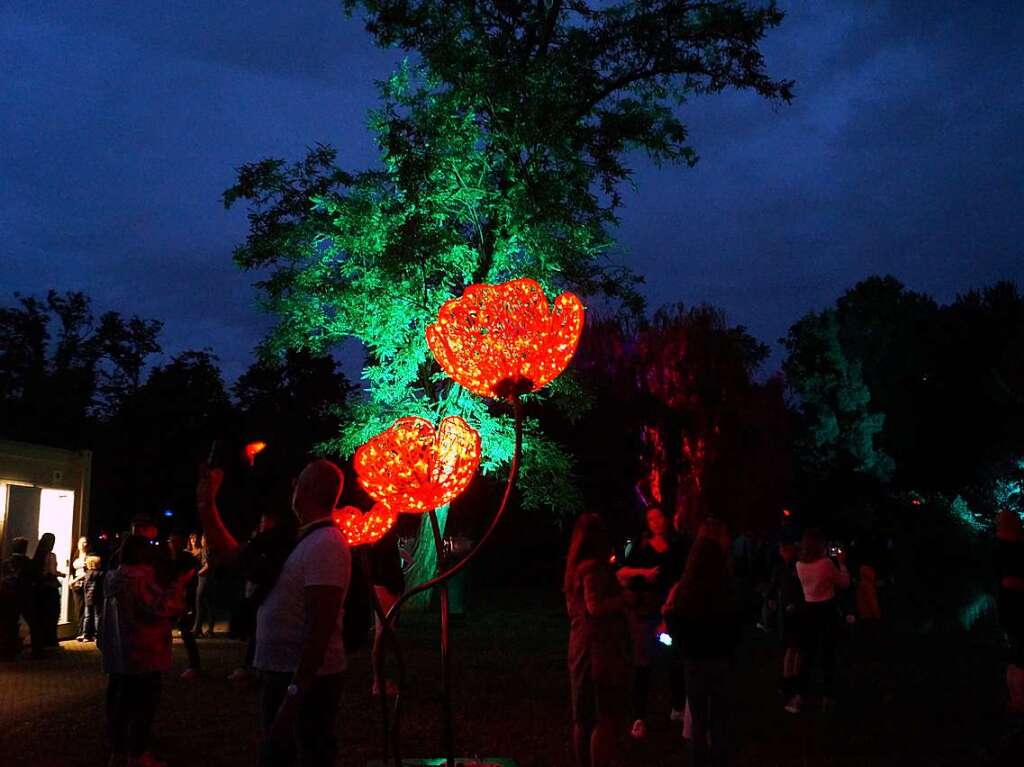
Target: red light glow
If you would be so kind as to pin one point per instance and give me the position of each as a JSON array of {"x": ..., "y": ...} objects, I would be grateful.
[
  {"x": 413, "y": 469},
  {"x": 253, "y": 449},
  {"x": 502, "y": 340},
  {"x": 362, "y": 529}
]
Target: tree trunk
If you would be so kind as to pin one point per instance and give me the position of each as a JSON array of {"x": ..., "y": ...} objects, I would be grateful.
[{"x": 424, "y": 560}]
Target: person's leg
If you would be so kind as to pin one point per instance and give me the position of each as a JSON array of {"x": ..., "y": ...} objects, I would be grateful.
[
  {"x": 697, "y": 696},
  {"x": 145, "y": 700},
  {"x": 117, "y": 732},
  {"x": 386, "y": 598},
  {"x": 677, "y": 683},
  {"x": 78, "y": 603},
  {"x": 829, "y": 633},
  {"x": 720, "y": 707},
  {"x": 609, "y": 712},
  {"x": 642, "y": 630},
  {"x": 191, "y": 647},
  {"x": 273, "y": 688},
  {"x": 88, "y": 622},
  {"x": 197, "y": 627},
  {"x": 809, "y": 645},
  {"x": 316, "y": 723}
]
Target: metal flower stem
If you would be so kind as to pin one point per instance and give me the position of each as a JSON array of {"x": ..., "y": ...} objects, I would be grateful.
[
  {"x": 388, "y": 630},
  {"x": 446, "y": 671},
  {"x": 442, "y": 578}
]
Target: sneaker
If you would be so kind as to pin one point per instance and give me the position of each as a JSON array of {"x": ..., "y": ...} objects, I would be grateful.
[
  {"x": 639, "y": 730},
  {"x": 793, "y": 706},
  {"x": 240, "y": 675},
  {"x": 675, "y": 715},
  {"x": 80, "y": 639},
  {"x": 190, "y": 673}
]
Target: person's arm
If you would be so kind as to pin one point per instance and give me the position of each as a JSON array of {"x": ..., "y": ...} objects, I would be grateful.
[
  {"x": 599, "y": 603},
  {"x": 219, "y": 539},
  {"x": 842, "y": 575}
]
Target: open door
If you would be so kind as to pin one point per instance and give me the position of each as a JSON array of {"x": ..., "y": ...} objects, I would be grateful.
[{"x": 57, "y": 516}]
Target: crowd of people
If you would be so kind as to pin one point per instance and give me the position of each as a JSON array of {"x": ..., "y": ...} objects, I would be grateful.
[
  {"x": 687, "y": 600},
  {"x": 668, "y": 609}
]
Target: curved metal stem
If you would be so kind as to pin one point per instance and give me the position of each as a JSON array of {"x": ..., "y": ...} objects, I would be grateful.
[
  {"x": 441, "y": 578},
  {"x": 387, "y": 630},
  {"x": 446, "y": 669}
]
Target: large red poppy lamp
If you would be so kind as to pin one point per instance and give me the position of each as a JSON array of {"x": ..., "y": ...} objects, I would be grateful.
[{"x": 504, "y": 340}]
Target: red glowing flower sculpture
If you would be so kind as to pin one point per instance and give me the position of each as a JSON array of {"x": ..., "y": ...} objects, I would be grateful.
[
  {"x": 360, "y": 529},
  {"x": 412, "y": 468},
  {"x": 500, "y": 340}
]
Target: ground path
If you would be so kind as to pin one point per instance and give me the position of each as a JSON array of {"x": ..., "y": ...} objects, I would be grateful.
[{"x": 938, "y": 703}]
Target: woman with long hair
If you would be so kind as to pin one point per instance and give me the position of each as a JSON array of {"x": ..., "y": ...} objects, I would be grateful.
[
  {"x": 598, "y": 644},
  {"x": 819, "y": 577},
  {"x": 77, "y": 583},
  {"x": 703, "y": 618},
  {"x": 47, "y": 589},
  {"x": 651, "y": 568},
  {"x": 204, "y": 591}
]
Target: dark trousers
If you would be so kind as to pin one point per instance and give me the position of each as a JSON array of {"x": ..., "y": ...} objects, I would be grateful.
[
  {"x": 47, "y": 616},
  {"x": 707, "y": 691},
  {"x": 132, "y": 700},
  {"x": 89, "y": 621},
  {"x": 78, "y": 602},
  {"x": 204, "y": 604},
  {"x": 191, "y": 647},
  {"x": 313, "y": 742},
  {"x": 647, "y": 651},
  {"x": 819, "y": 627}
]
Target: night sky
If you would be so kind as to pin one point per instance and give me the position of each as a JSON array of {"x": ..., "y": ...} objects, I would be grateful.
[{"x": 122, "y": 123}]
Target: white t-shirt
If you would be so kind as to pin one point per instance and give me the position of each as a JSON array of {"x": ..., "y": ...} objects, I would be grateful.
[
  {"x": 321, "y": 558},
  {"x": 820, "y": 578}
]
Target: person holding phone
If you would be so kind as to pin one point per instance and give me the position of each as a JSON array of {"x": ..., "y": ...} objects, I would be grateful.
[
  {"x": 300, "y": 651},
  {"x": 820, "y": 577}
]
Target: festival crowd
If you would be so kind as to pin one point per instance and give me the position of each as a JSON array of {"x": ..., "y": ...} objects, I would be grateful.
[{"x": 669, "y": 609}]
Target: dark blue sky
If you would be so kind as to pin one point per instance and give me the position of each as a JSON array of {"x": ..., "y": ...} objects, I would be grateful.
[{"x": 122, "y": 123}]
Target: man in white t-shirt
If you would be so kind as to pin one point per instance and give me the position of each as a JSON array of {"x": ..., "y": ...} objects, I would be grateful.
[{"x": 299, "y": 645}]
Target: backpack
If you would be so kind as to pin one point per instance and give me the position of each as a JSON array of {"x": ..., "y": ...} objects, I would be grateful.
[
  {"x": 263, "y": 558},
  {"x": 358, "y": 607}
]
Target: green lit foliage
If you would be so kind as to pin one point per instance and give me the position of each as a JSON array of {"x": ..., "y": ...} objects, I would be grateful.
[
  {"x": 501, "y": 152},
  {"x": 839, "y": 427}
]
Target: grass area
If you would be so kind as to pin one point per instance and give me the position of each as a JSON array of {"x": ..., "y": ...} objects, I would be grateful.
[{"x": 935, "y": 699}]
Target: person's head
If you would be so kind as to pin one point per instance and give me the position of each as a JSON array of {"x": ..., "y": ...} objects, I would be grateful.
[
  {"x": 706, "y": 586},
  {"x": 276, "y": 516},
  {"x": 137, "y": 550},
  {"x": 717, "y": 531},
  {"x": 176, "y": 541},
  {"x": 92, "y": 562},
  {"x": 317, "y": 491},
  {"x": 657, "y": 522},
  {"x": 1008, "y": 525},
  {"x": 788, "y": 552},
  {"x": 589, "y": 543},
  {"x": 45, "y": 546},
  {"x": 19, "y": 546},
  {"x": 143, "y": 524},
  {"x": 812, "y": 546},
  {"x": 83, "y": 545},
  {"x": 867, "y": 573},
  {"x": 202, "y": 542},
  {"x": 193, "y": 541}
]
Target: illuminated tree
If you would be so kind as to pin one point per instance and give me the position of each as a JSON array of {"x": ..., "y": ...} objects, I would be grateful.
[{"x": 502, "y": 151}]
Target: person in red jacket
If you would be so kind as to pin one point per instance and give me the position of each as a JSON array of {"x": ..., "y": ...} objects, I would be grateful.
[{"x": 135, "y": 641}]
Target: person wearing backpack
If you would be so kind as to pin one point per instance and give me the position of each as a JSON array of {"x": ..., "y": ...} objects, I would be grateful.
[{"x": 300, "y": 651}]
